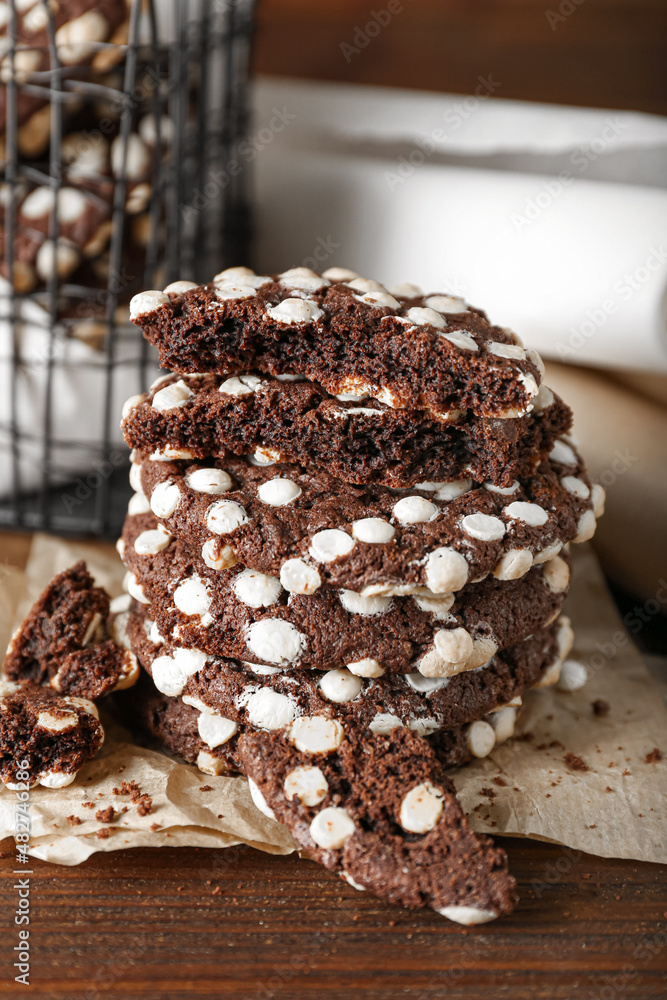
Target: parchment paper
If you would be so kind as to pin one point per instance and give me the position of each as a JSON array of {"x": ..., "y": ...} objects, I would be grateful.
[{"x": 616, "y": 808}]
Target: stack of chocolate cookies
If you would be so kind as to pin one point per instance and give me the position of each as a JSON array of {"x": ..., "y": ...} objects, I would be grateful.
[{"x": 347, "y": 555}]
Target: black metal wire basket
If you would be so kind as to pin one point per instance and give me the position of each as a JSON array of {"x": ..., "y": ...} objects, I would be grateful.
[{"x": 119, "y": 174}]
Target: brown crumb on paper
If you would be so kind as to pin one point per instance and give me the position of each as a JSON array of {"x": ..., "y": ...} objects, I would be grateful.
[
  {"x": 74, "y": 820},
  {"x": 103, "y": 834},
  {"x": 105, "y": 815},
  {"x": 575, "y": 763},
  {"x": 600, "y": 707},
  {"x": 653, "y": 756},
  {"x": 144, "y": 804},
  {"x": 206, "y": 788}
]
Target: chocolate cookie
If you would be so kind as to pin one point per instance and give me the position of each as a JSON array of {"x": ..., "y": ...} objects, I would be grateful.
[
  {"x": 244, "y": 614},
  {"x": 311, "y": 529},
  {"x": 380, "y": 812},
  {"x": 44, "y": 737},
  {"x": 244, "y": 695},
  {"x": 359, "y": 442},
  {"x": 350, "y": 335},
  {"x": 63, "y": 641}
]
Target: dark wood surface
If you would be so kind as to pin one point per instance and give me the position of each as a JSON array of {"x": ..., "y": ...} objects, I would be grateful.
[
  {"x": 603, "y": 53},
  {"x": 170, "y": 923},
  {"x": 173, "y": 923}
]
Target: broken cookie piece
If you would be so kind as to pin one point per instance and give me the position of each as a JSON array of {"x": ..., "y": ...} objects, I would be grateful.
[
  {"x": 44, "y": 738},
  {"x": 380, "y": 812},
  {"x": 63, "y": 641}
]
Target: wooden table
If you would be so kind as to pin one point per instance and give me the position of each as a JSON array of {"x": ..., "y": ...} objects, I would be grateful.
[{"x": 170, "y": 923}]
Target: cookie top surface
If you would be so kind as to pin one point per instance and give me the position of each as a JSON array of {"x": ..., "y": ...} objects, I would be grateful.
[
  {"x": 380, "y": 812},
  {"x": 359, "y": 440},
  {"x": 44, "y": 737},
  {"x": 245, "y": 614},
  {"x": 349, "y": 334},
  {"x": 312, "y": 530},
  {"x": 63, "y": 641}
]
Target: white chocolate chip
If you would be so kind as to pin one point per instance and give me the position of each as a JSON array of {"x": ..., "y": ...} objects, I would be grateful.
[
  {"x": 268, "y": 709},
  {"x": 308, "y": 784},
  {"x": 585, "y": 527},
  {"x": 355, "y": 604},
  {"x": 504, "y": 491},
  {"x": 170, "y": 673},
  {"x": 423, "y": 317},
  {"x": 241, "y": 385},
  {"x": 450, "y": 491},
  {"x": 562, "y": 453},
  {"x": 149, "y": 543},
  {"x": 138, "y": 504},
  {"x": 530, "y": 513},
  {"x": 217, "y": 559},
  {"x": 338, "y": 274},
  {"x": 259, "y": 800},
  {"x": 481, "y": 739},
  {"x": 330, "y": 544},
  {"x": 225, "y": 516},
  {"x": 298, "y": 577},
  {"x": 546, "y": 554},
  {"x": 448, "y": 304},
  {"x": 178, "y": 287},
  {"x": 56, "y": 779},
  {"x": 135, "y": 478},
  {"x": 463, "y": 340},
  {"x": 165, "y": 498},
  {"x": 131, "y": 404},
  {"x": 291, "y": 311},
  {"x": 514, "y": 564},
  {"x": 135, "y": 589},
  {"x": 147, "y": 302},
  {"x": 421, "y": 808},
  {"x": 425, "y": 685},
  {"x": 172, "y": 396},
  {"x": 256, "y": 590},
  {"x": 512, "y": 351},
  {"x": 120, "y": 604},
  {"x": 503, "y": 722},
  {"x": 543, "y": 400},
  {"x": 469, "y": 916},
  {"x": 576, "y": 486},
  {"x": 366, "y": 285},
  {"x": 215, "y": 730},
  {"x": 454, "y": 645},
  {"x": 273, "y": 640},
  {"x": 208, "y": 763},
  {"x": 76, "y": 38},
  {"x": 383, "y": 723},
  {"x": 484, "y": 527},
  {"x": 316, "y": 734},
  {"x": 302, "y": 278},
  {"x": 193, "y": 597},
  {"x": 573, "y": 676},
  {"x": 210, "y": 481},
  {"x": 437, "y": 606},
  {"x": 415, "y": 510},
  {"x": 234, "y": 290},
  {"x": 366, "y": 668},
  {"x": 533, "y": 356},
  {"x": 57, "y": 723},
  {"x": 340, "y": 686},
  {"x": 556, "y": 575},
  {"x": 332, "y": 828},
  {"x": 379, "y": 300},
  {"x": 446, "y": 570},
  {"x": 373, "y": 530},
  {"x": 598, "y": 497},
  {"x": 278, "y": 492}
]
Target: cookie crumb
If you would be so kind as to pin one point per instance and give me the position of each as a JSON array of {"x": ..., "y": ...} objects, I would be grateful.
[
  {"x": 206, "y": 788},
  {"x": 500, "y": 782},
  {"x": 144, "y": 804},
  {"x": 155, "y": 826},
  {"x": 600, "y": 707},
  {"x": 74, "y": 820},
  {"x": 574, "y": 762},
  {"x": 653, "y": 756},
  {"x": 105, "y": 815},
  {"x": 103, "y": 834}
]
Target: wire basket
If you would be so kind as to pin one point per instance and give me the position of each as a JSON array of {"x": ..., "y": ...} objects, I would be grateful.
[{"x": 119, "y": 174}]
